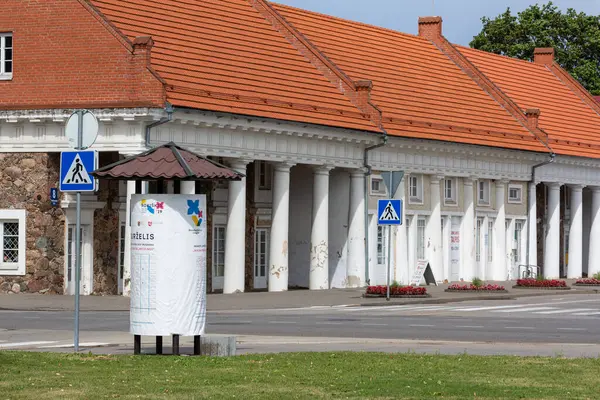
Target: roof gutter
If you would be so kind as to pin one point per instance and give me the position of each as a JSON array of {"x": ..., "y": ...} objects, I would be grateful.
[
  {"x": 164, "y": 120},
  {"x": 366, "y": 194},
  {"x": 533, "y": 218}
]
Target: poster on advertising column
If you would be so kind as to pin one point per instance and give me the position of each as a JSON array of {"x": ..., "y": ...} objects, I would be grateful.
[{"x": 168, "y": 265}]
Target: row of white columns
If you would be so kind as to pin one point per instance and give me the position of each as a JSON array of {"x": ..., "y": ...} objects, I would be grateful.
[
  {"x": 552, "y": 239},
  {"x": 278, "y": 271}
]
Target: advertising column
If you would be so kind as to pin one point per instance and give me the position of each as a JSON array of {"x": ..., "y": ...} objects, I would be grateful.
[{"x": 168, "y": 265}]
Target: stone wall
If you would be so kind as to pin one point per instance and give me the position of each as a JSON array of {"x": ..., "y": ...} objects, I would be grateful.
[
  {"x": 250, "y": 227},
  {"x": 25, "y": 182},
  {"x": 106, "y": 233}
]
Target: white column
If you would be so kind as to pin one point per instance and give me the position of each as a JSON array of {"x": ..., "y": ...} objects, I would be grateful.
[
  {"x": 467, "y": 237},
  {"x": 446, "y": 246},
  {"x": 575, "y": 265},
  {"x": 510, "y": 241},
  {"x": 235, "y": 234},
  {"x": 127, "y": 257},
  {"x": 280, "y": 223},
  {"x": 319, "y": 239},
  {"x": 532, "y": 221},
  {"x": 355, "y": 271},
  {"x": 189, "y": 187},
  {"x": 594, "y": 252},
  {"x": 433, "y": 244},
  {"x": 485, "y": 244},
  {"x": 552, "y": 246},
  {"x": 170, "y": 187},
  {"x": 499, "y": 272},
  {"x": 401, "y": 248}
]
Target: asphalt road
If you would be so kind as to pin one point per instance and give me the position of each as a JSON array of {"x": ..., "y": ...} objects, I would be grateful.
[{"x": 568, "y": 320}]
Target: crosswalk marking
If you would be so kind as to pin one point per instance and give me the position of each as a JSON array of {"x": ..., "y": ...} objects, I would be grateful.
[
  {"x": 572, "y": 310},
  {"x": 550, "y": 308},
  {"x": 526, "y": 309},
  {"x": 489, "y": 308},
  {"x": 588, "y": 313}
]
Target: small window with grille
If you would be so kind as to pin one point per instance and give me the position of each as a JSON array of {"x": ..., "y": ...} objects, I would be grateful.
[{"x": 12, "y": 238}]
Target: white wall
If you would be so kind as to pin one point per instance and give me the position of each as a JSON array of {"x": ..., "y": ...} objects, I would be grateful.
[
  {"x": 339, "y": 205},
  {"x": 301, "y": 199}
]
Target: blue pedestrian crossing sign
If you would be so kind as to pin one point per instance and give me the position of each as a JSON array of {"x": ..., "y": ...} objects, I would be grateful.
[
  {"x": 75, "y": 169},
  {"x": 389, "y": 212}
]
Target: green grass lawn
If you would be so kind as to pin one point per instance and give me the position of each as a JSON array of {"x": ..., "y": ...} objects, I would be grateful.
[{"x": 25, "y": 375}]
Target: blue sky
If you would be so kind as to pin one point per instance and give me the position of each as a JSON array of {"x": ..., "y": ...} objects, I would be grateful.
[{"x": 462, "y": 18}]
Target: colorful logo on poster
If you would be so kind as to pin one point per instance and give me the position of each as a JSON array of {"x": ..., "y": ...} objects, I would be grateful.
[
  {"x": 156, "y": 207},
  {"x": 194, "y": 211}
]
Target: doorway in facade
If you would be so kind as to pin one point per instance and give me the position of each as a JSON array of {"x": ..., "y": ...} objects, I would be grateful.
[
  {"x": 261, "y": 257},
  {"x": 70, "y": 256}
]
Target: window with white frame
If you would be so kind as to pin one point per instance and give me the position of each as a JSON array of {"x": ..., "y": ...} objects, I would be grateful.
[
  {"x": 415, "y": 189},
  {"x": 381, "y": 245},
  {"x": 6, "y": 55},
  {"x": 261, "y": 252},
  {"x": 264, "y": 174},
  {"x": 518, "y": 237},
  {"x": 490, "y": 241},
  {"x": 478, "y": 239},
  {"x": 218, "y": 251},
  {"x": 483, "y": 193},
  {"x": 421, "y": 238},
  {"x": 515, "y": 194},
  {"x": 71, "y": 242},
  {"x": 12, "y": 230},
  {"x": 450, "y": 189},
  {"x": 378, "y": 186}
]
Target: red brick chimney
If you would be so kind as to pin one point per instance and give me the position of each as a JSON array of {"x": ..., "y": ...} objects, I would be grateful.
[
  {"x": 142, "y": 46},
  {"x": 363, "y": 91},
  {"x": 430, "y": 27},
  {"x": 543, "y": 56},
  {"x": 533, "y": 117}
]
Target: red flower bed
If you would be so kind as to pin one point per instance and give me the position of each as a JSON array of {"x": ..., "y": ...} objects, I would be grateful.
[
  {"x": 589, "y": 281},
  {"x": 488, "y": 287},
  {"x": 397, "y": 290},
  {"x": 541, "y": 283}
]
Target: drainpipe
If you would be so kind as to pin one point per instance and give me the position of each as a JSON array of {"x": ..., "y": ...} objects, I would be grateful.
[
  {"x": 367, "y": 174},
  {"x": 532, "y": 182},
  {"x": 168, "y": 118}
]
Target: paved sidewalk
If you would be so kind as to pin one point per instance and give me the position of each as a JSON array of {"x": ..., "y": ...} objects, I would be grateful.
[{"x": 265, "y": 300}]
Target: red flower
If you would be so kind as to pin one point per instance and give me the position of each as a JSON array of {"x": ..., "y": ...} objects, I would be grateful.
[
  {"x": 589, "y": 281},
  {"x": 488, "y": 287},
  {"x": 397, "y": 290},
  {"x": 531, "y": 282}
]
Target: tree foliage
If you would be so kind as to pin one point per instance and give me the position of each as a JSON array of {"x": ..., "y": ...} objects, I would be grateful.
[{"x": 574, "y": 36}]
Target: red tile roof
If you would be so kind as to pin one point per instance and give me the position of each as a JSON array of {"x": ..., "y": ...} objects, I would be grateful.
[
  {"x": 222, "y": 55},
  {"x": 571, "y": 125},
  {"x": 167, "y": 162},
  {"x": 250, "y": 57},
  {"x": 421, "y": 92}
]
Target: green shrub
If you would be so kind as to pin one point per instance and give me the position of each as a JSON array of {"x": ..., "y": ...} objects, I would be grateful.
[{"x": 477, "y": 282}]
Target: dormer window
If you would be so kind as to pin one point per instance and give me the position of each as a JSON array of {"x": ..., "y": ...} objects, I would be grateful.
[{"x": 6, "y": 56}]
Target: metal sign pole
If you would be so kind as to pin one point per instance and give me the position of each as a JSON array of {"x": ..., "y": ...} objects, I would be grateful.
[
  {"x": 389, "y": 240},
  {"x": 78, "y": 241}
]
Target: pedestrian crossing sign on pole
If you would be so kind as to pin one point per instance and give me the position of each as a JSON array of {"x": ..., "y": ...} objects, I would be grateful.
[
  {"x": 389, "y": 212},
  {"x": 75, "y": 168}
]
